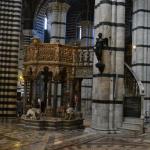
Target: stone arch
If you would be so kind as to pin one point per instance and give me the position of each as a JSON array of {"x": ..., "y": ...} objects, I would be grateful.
[
  {"x": 38, "y": 23},
  {"x": 74, "y": 14}
]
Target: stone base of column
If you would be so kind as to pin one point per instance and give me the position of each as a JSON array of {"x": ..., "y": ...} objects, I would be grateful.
[
  {"x": 8, "y": 107},
  {"x": 86, "y": 97},
  {"x": 8, "y": 114},
  {"x": 107, "y": 96},
  {"x": 106, "y": 116}
]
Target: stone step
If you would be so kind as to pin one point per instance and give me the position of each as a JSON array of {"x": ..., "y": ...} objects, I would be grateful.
[
  {"x": 38, "y": 127},
  {"x": 135, "y": 127},
  {"x": 128, "y": 131},
  {"x": 132, "y": 120},
  {"x": 52, "y": 124}
]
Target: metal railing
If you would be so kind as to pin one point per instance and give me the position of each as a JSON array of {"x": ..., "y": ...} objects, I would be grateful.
[
  {"x": 134, "y": 94},
  {"x": 133, "y": 86}
]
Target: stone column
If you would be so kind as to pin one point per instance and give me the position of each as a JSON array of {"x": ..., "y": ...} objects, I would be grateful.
[
  {"x": 141, "y": 46},
  {"x": 34, "y": 96},
  {"x": 49, "y": 93},
  {"x": 62, "y": 93},
  {"x": 27, "y": 36},
  {"x": 55, "y": 98},
  {"x": 10, "y": 26},
  {"x": 31, "y": 91},
  {"x": 86, "y": 33},
  {"x": 87, "y": 41},
  {"x": 57, "y": 13},
  {"x": 108, "y": 87},
  {"x": 78, "y": 89},
  {"x": 25, "y": 96}
]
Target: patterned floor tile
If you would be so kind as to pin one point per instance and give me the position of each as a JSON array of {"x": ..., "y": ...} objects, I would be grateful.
[{"x": 13, "y": 137}]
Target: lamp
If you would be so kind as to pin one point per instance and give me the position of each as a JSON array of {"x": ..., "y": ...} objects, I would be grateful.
[{"x": 134, "y": 46}]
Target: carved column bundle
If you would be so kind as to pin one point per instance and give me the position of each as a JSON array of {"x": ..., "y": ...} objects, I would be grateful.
[{"x": 108, "y": 87}]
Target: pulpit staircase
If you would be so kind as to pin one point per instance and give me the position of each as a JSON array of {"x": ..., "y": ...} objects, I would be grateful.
[
  {"x": 133, "y": 103},
  {"x": 134, "y": 95}
]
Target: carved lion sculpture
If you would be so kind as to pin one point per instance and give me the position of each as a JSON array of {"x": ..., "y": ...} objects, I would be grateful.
[
  {"x": 69, "y": 114},
  {"x": 33, "y": 113}
]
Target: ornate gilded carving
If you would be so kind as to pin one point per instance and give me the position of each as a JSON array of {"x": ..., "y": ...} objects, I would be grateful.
[
  {"x": 83, "y": 72},
  {"x": 50, "y": 52},
  {"x": 55, "y": 56}
]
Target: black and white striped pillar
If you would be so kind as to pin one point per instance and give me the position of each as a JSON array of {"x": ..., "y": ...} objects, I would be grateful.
[
  {"x": 57, "y": 13},
  {"x": 27, "y": 36},
  {"x": 108, "y": 87},
  {"x": 25, "y": 41},
  {"x": 86, "y": 33},
  {"x": 10, "y": 25},
  {"x": 141, "y": 45},
  {"x": 87, "y": 41}
]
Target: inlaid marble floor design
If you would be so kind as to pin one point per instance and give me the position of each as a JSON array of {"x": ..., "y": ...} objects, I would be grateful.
[
  {"x": 13, "y": 137},
  {"x": 113, "y": 143}
]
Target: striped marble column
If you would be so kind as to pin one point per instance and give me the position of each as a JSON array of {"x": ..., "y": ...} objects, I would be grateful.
[
  {"x": 141, "y": 45},
  {"x": 108, "y": 87},
  {"x": 10, "y": 25},
  {"x": 86, "y": 33},
  {"x": 27, "y": 36},
  {"x": 26, "y": 39},
  {"x": 87, "y": 40},
  {"x": 57, "y": 13}
]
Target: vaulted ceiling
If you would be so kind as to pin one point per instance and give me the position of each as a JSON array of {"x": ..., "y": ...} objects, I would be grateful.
[
  {"x": 83, "y": 9},
  {"x": 30, "y": 7}
]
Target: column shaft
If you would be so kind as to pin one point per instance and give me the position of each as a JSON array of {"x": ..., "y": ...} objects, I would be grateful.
[
  {"x": 87, "y": 41},
  {"x": 10, "y": 25},
  {"x": 108, "y": 87},
  {"x": 57, "y": 13},
  {"x": 141, "y": 54},
  {"x": 55, "y": 99}
]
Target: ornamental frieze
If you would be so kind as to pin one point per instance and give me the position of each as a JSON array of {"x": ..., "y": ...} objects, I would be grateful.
[{"x": 55, "y": 57}]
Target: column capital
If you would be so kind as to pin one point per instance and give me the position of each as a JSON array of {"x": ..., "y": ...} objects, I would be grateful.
[{"x": 58, "y": 7}]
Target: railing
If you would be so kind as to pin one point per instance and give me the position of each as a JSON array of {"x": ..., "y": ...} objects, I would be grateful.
[
  {"x": 134, "y": 94},
  {"x": 133, "y": 86},
  {"x": 77, "y": 60},
  {"x": 62, "y": 53},
  {"x": 51, "y": 52}
]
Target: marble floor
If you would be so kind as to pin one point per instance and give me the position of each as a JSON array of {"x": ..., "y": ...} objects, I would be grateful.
[{"x": 13, "y": 137}]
